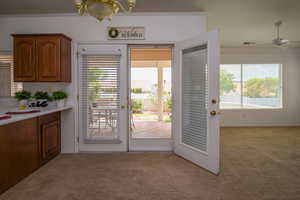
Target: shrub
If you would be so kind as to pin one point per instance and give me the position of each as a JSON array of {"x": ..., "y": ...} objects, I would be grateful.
[
  {"x": 137, "y": 90},
  {"x": 137, "y": 106}
]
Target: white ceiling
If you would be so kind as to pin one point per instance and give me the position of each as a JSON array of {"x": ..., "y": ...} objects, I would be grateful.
[{"x": 238, "y": 20}]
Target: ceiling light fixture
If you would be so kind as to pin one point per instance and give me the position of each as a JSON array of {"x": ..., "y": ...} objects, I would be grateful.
[{"x": 101, "y": 9}]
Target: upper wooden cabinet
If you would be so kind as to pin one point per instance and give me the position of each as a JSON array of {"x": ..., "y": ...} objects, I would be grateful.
[
  {"x": 24, "y": 51},
  {"x": 42, "y": 58}
]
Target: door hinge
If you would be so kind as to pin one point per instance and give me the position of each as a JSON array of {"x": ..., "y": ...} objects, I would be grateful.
[
  {"x": 77, "y": 97},
  {"x": 77, "y": 139}
]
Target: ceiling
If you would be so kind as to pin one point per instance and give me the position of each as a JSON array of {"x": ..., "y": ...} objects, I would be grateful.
[{"x": 238, "y": 20}]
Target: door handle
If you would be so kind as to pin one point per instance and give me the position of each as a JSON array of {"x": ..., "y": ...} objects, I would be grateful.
[
  {"x": 213, "y": 113},
  {"x": 123, "y": 106}
]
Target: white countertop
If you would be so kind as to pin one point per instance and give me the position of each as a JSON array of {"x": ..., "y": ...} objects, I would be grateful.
[{"x": 43, "y": 111}]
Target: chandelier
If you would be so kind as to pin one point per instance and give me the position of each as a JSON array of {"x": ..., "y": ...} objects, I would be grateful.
[{"x": 103, "y": 8}]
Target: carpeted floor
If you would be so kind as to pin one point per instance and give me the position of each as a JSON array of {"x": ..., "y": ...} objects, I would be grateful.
[{"x": 257, "y": 164}]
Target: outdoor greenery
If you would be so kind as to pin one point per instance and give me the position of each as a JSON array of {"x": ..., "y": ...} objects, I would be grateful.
[
  {"x": 261, "y": 87},
  {"x": 226, "y": 82},
  {"x": 94, "y": 74},
  {"x": 22, "y": 95},
  {"x": 137, "y": 105},
  {"x": 42, "y": 95},
  {"x": 58, "y": 95},
  {"x": 137, "y": 90}
]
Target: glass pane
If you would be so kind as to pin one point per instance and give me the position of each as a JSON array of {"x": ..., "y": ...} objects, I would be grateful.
[
  {"x": 230, "y": 86},
  {"x": 261, "y": 86},
  {"x": 102, "y": 99},
  {"x": 194, "y": 97}
]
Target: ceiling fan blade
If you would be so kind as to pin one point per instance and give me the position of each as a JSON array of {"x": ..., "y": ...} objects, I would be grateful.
[{"x": 260, "y": 45}]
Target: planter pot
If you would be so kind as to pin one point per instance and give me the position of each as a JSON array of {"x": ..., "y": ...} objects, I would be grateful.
[{"x": 60, "y": 103}]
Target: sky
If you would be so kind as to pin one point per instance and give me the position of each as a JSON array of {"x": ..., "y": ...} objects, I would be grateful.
[{"x": 149, "y": 74}]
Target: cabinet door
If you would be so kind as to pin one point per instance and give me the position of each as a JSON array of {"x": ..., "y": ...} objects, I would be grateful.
[
  {"x": 50, "y": 139},
  {"x": 48, "y": 58},
  {"x": 24, "y": 59},
  {"x": 18, "y": 152}
]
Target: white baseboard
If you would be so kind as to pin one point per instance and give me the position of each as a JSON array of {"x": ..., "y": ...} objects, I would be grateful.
[{"x": 260, "y": 125}]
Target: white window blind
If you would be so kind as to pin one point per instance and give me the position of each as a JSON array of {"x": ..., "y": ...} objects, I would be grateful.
[
  {"x": 194, "y": 97},
  {"x": 100, "y": 95},
  {"x": 8, "y": 86}
]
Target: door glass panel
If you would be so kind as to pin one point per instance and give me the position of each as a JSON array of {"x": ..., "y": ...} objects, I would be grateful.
[
  {"x": 194, "y": 97},
  {"x": 101, "y": 96}
]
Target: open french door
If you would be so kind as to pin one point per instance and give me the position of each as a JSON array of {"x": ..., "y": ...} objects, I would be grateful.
[{"x": 196, "y": 103}]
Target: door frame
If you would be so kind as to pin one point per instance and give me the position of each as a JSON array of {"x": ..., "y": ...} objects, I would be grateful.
[{"x": 149, "y": 144}]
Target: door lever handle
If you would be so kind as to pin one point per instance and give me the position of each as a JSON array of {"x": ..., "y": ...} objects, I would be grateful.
[{"x": 213, "y": 113}]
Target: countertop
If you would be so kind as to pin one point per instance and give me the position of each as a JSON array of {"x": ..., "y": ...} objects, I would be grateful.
[{"x": 43, "y": 111}]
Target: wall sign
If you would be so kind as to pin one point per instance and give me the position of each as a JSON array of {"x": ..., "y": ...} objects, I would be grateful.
[{"x": 126, "y": 33}]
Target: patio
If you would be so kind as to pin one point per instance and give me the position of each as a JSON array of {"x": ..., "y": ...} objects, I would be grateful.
[{"x": 146, "y": 127}]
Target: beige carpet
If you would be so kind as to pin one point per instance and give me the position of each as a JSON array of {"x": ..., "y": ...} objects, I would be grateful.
[{"x": 257, "y": 164}]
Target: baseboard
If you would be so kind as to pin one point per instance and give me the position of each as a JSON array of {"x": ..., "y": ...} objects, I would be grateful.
[{"x": 260, "y": 125}]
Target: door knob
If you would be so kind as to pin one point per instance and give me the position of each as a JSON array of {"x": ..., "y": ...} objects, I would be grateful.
[{"x": 213, "y": 113}]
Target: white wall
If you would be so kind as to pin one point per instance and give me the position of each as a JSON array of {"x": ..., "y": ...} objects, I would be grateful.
[
  {"x": 289, "y": 114},
  {"x": 160, "y": 28}
]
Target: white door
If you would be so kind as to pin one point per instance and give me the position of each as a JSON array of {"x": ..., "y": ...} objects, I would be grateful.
[
  {"x": 103, "y": 98},
  {"x": 196, "y": 105}
]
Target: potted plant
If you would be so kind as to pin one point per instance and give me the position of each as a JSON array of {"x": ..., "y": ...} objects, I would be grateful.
[
  {"x": 59, "y": 97},
  {"x": 42, "y": 98},
  {"x": 22, "y": 97}
]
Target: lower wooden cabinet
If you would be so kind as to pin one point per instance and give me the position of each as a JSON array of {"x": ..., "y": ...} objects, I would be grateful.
[
  {"x": 26, "y": 145},
  {"x": 18, "y": 152},
  {"x": 49, "y": 136}
]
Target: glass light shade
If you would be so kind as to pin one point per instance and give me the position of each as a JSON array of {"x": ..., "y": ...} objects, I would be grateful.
[
  {"x": 77, "y": 2},
  {"x": 99, "y": 10}
]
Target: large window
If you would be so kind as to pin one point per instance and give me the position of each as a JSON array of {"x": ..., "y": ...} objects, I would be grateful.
[{"x": 250, "y": 86}]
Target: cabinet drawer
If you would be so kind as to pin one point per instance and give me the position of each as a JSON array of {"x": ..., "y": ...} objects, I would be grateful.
[{"x": 49, "y": 118}]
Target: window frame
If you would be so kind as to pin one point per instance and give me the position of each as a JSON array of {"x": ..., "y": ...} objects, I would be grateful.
[{"x": 281, "y": 90}]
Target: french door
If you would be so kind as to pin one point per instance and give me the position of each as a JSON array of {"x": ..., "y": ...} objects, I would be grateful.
[
  {"x": 103, "y": 98},
  {"x": 196, "y": 103}
]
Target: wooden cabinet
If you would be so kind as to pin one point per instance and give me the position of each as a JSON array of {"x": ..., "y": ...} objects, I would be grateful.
[
  {"x": 49, "y": 126},
  {"x": 26, "y": 145},
  {"x": 42, "y": 58},
  {"x": 18, "y": 151},
  {"x": 24, "y": 64}
]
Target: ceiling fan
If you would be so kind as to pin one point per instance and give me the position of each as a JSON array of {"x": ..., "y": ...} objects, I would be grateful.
[{"x": 277, "y": 42}]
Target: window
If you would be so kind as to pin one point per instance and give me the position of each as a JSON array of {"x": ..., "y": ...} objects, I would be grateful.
[
  {"x": 8, "y": 86},
  {"x": 250, "y": 86}
]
